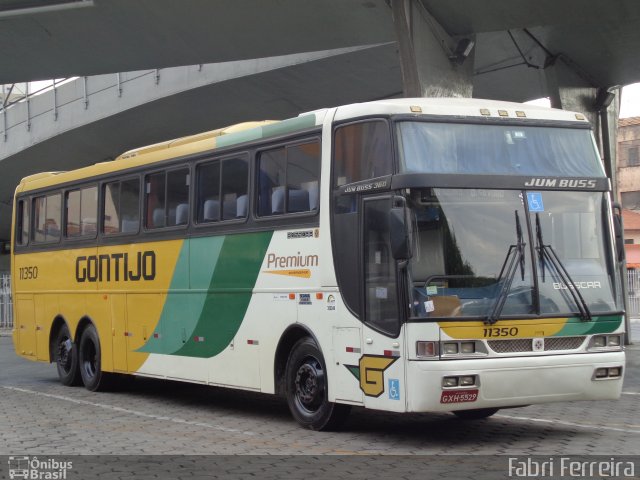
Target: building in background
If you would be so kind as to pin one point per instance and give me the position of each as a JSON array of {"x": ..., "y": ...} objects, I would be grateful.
[
  {"x": 628, "y": 170},
  {"x": 628, "y": 175},
  {"x": 631, "y": 221},
  {"x": 629, "y": 163}
]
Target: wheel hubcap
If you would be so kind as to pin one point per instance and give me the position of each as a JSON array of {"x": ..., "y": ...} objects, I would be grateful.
[
  {"x": 64, "y": 354},
  {"x": 309, "y": 384},
  {"x": 89, "y": 360}
]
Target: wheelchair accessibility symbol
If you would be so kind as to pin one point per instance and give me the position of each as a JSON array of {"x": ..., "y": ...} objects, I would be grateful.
[
  {"x": 394, "y": 389},
  {"x": 535, "y": 202}
]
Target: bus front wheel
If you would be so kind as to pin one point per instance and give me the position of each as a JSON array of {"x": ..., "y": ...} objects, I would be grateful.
[
  {"x": 93, "y": 377},
  {"x": 306, "y": 389},
  {"x": 66, "y": 356}
]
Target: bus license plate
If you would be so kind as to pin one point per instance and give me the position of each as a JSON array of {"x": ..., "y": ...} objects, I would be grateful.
[{"x": 459, "y": 396}]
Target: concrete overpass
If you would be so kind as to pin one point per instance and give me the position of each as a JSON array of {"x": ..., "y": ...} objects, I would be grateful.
[
  {"x": 515, "y": 41},
  {"x": 96, "y": 118}
]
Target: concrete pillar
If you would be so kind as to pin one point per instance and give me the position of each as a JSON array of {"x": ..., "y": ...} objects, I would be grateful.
[
  {"x": 433, "y": 63},
  {"x": 609, "y": 117},
  {"x": 570, "y": 89}
]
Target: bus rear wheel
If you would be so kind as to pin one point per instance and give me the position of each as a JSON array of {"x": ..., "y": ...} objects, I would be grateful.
[
  {"x": 93, "y": 377},
  {"x": 476, "y": 414},
  {"x": 306, "y": 389},
  {"x": 66, "y": 357}
]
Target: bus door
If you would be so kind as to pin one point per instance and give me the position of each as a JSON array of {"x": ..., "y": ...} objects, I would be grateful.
[
  {"x": 119, "y": 331},
  {"x": 382, "y": 365},
  {"x": 26, "y": 325}
]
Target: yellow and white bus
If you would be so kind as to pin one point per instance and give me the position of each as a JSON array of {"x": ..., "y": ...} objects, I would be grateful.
[{"x": 406, "y": 255}]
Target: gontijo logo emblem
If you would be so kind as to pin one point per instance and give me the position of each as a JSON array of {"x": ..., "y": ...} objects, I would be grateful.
[{"x": 370, "y": 372}]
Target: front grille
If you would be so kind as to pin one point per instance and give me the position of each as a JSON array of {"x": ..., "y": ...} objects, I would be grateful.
[
  {"x": 563, "y": 343},
  {"x": 526, "y": 344},
  {"x": 511, "y": 346}
]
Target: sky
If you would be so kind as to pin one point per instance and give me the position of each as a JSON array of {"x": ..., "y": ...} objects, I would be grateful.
[{"x": 630, "y": 101}]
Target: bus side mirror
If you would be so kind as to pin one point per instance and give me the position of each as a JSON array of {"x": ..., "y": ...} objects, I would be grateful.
[
  {"x": 618, "y": 231},
  {"x": 399, "y": 233}
]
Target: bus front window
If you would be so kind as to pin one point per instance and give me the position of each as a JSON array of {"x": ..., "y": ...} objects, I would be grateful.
[
  {"x": 473, "y": 254},
  {"x": 569, "y": 225},
  {"x": 469, "y": 251}
]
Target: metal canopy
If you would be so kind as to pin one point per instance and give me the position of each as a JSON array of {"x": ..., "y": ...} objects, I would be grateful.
[
  {"x": 598, "y": 41},
  {"x": 125, "y": 35}
]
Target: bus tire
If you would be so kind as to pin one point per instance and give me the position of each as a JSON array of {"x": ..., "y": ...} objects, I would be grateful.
[
  {"x": 93, "y": 377},
  {"x": 66, "y": 357},
  {"x": 476, "y": 414},
  {"x": 306, "y": 389}
]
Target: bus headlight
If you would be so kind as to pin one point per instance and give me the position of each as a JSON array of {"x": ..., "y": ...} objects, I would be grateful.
[
  {"x": 468, "y": 347},
  {"x": 613, "y": 340},
  {"x": 605, "y": 342},
  {"x": 615, "y": 372},
  {"x": 462, "y": 349},
  {"x": 468, "y": 381},
  {"x": 601, "y": 373},
  {"x": 460, "y": 381},
  {"x": 449, "y": 382},
  {"x": 426, "y": 349},
  {"x": 450, "y": 348},
  {"x": 607, "y": 373}
]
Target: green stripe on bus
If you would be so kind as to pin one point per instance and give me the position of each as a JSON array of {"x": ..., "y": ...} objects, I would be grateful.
[
  {"x": 602, "y": 324},
  {"x": 182, "y": 308},
  {"x": 287, "y": 126},
  {"x": 231, "y": 288},
  {"x": 279, "y": 128},
  {"x": 239, "y": 137}
]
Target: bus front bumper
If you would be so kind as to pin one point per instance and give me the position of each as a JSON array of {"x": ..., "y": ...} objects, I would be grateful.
[{"x": 510, "y": 382}]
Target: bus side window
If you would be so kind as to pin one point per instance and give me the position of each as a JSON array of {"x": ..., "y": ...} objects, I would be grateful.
[
  {"x": 288, "y": 179},
  {"x": 46, "y": 218},
  {"x": 272, "y": 168},
  {"x": 155, "y": 190},
  {"x": 121, "y": 207},
  {"x": 81, "y": 211},
  {"x": 235, "y": 178},
  {"x": 303, "y": 171},
  {"x": 167, "y": 198},
  {"x": 22, "y": 223},
  {"x": 222, "y": 189},
  {"x": 130, "y": 205},
  {"x": 178, "y": 197},
  {"x": 361, "y": 151},
  {"x": 208, "y": 176}
]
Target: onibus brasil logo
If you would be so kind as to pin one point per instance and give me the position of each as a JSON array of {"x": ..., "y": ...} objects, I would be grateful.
[{"x": 38, "y": 469}]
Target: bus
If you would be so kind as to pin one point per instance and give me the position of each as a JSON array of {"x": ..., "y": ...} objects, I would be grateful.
[{"x": 405, "y": 255}]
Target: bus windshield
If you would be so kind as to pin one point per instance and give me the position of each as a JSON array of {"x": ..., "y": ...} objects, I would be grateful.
[
  {"x": 427, "y": 147},
  {"x": 502, "y": 253}
]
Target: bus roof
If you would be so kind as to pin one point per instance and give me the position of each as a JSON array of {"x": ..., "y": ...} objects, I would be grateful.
[
  {"x": 457, "y": 107},
  {"x": 247, "y": 131},
  {"x": 202, "y": 142}
]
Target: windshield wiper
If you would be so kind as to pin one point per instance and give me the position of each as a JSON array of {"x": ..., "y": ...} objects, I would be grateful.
[
  {"x": 515, "y": 257},
  {"x": 547, "y": 252}
]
